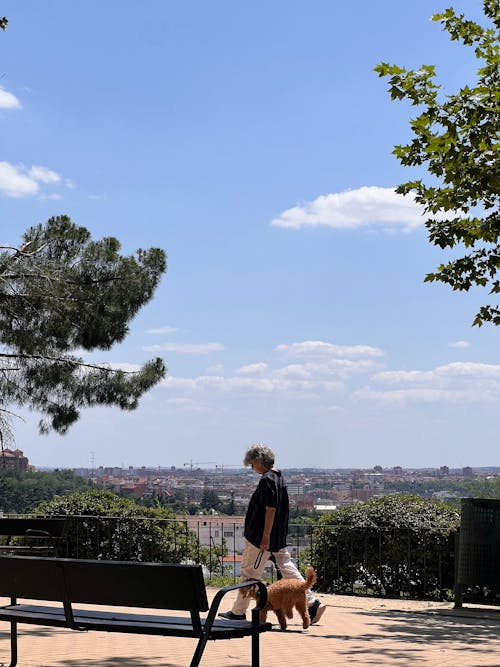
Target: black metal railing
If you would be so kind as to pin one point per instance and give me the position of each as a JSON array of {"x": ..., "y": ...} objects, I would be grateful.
[{"x": 403, "y": 563}]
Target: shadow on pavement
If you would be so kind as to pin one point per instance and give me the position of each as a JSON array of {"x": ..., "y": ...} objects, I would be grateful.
[{"x": 405, "y": 636}]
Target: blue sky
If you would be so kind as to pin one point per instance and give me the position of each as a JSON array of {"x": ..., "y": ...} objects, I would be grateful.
[{"x": 252, "y": 141}]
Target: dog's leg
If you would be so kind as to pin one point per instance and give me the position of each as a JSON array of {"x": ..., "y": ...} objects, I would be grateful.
[
  {"x": 281, "y": 618},
  {"x": 301, "y": 607}
]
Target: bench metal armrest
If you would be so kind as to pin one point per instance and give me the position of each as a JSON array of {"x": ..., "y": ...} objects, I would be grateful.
[{"x": 214, "y": 607}]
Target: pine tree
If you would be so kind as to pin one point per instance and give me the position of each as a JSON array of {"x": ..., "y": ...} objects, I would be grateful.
[{"x": 62, "y": 293}]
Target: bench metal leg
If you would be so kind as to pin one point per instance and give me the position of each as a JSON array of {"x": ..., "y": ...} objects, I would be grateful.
[
  {"x": 255, "y": 650},
  {"x": 13, "y": 644},
  {"x": 195, "y": 661}
]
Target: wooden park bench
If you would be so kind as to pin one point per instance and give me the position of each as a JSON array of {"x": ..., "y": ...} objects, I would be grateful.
[
  {"x": 148, "y": 586},
  {"x": 40, "y": 536}
]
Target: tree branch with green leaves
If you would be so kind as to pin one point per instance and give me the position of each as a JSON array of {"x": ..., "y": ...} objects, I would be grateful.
[{"x": 457, "y": 138}]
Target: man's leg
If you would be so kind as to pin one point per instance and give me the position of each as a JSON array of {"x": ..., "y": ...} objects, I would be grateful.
[{"x": 252, "y": 565}]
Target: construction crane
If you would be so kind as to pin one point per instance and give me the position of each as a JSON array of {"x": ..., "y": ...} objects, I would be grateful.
[
  {"x": 192, "y": 463},
  {"x": 224, "y": 465}
]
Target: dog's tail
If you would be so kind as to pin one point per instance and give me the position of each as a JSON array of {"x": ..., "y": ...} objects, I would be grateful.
[{"x": 310, "y": 577}]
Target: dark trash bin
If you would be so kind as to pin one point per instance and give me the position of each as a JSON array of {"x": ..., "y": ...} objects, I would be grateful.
[{"x": 478, "y": 558}]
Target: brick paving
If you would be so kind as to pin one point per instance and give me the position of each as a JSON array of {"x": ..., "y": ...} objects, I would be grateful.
[{"x": 353, "y": 631}]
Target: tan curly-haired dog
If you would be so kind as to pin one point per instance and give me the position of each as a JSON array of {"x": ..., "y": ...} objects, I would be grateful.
[{"x": 283, "y": 596}]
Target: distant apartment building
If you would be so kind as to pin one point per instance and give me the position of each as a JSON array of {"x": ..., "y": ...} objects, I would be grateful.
[
  {"x": 296, "y": 489},
  {"x": 364, "y": 494},
  {"x": 13, "y": 459},
  {"x": 467, "y": 472},
  {"x": 216, "y": 530}
]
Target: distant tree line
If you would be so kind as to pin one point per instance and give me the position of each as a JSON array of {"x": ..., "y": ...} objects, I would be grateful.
[
  {"x": 473, "y": 488},
  {"x": 22, "y": 492}
]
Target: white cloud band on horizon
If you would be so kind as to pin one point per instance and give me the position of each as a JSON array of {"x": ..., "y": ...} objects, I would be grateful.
[
  {"x": 325, "y": 374},
  {"x": 367, "y": 206},
  {"x": 318, "y": 348},
  {"x": 454, "y": 371},
  {"x": 161, "y": 330},
  {"x": 454, "y": 383},
  {"x": 319, "y": 368},
  {"x": 250, "y": 369}
]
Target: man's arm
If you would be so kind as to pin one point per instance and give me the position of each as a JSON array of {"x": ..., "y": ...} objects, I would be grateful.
[{"x": 268, "y": 524}]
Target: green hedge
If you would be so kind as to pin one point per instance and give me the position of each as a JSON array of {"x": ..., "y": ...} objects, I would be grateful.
[{"x": 394, "y": 546}]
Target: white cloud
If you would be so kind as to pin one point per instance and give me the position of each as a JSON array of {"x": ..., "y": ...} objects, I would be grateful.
[
  {"x": 43, "y": 174},
  {"x": 15, "y": 183},
  {"x": 449, "y": 372},
  {"x": 185, "y": 348},
  {"x": 333, "y": 378},
  {"x": 332, "y": 368},
  {"x": 460, "y": 344},
  {"x": 327, "y": 369},
  {"x": 251, "y": 369},
  {"x": 319, "y": 348},
  {"x": 162, "y": 330},
  {"x": 125, "y": 366},
  {"x": 244, "y": 385},
  {"x": 351, "y": 209},
  {"x": 457, "y": 383},
  {"x": 428, "y": 395},
  {"x": 18, "y": 181},
  {"x": 8, "y": 100},
  {"x": 184, "y": 405}
]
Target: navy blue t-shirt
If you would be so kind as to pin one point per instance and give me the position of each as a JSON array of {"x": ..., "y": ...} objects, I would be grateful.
[{"x": 271, "y": 491}]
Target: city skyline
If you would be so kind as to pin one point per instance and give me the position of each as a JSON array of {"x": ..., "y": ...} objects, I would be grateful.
[{"x": 253, "y": 143}]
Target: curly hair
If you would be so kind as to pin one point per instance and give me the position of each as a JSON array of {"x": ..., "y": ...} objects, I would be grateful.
[{"x": 259, "y": 453}]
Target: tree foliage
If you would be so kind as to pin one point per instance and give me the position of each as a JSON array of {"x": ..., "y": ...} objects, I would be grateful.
[
  {"x": 457, "y": 138},
  {"x": 210, "y": 500},
  {"x": 389, "y": 546},
  {"x": 477, "y": 488},
  {"x": 20, "y": 493},
  {"x": 105, "y": 526},
  {"x": 3, "y": 22},
  {"x": 62, "y": 292}
]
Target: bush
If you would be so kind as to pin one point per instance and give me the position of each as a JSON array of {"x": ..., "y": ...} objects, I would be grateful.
[
  {"x": 393, "y": 546},
  {"x": 102, "y": 525}
]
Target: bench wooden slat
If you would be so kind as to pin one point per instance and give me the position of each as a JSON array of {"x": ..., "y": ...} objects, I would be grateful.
[{"x": 112, "y": 621}]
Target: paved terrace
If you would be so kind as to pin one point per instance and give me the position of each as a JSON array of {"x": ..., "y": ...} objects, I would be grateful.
[{"x": 353, "y": 632}]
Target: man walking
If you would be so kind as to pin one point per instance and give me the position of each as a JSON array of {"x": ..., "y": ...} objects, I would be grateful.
[{"x": 266, "y": 529}]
